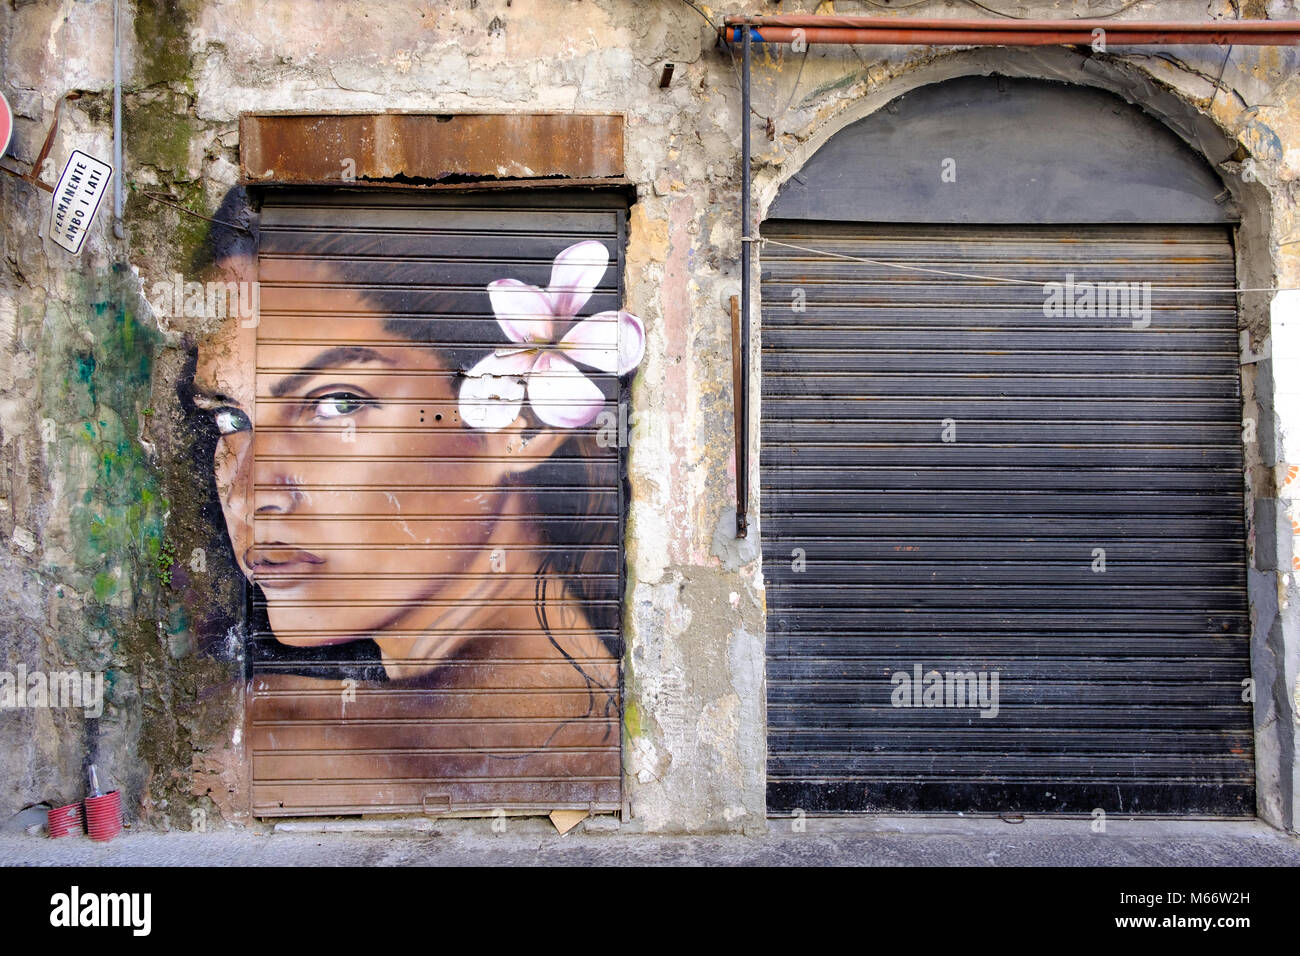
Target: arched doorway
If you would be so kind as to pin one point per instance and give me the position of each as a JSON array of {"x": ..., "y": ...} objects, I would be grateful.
[{"x": 1001, "y": 465}]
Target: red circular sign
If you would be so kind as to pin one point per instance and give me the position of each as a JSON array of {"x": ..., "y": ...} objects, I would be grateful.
[{"x": 6, "y": 124}]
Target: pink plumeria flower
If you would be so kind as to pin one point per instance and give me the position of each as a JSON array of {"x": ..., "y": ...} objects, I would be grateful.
[{"x": 550, "y": 339}]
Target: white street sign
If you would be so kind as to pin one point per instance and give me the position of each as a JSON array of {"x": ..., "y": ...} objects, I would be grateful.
[{"x": 81, "y": 188}]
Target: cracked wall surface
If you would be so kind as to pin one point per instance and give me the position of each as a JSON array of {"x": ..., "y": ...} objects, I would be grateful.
[{"x": 113, "y": 559}]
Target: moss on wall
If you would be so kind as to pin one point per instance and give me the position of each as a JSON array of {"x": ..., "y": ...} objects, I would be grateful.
[{"x": 162, "y": 41}]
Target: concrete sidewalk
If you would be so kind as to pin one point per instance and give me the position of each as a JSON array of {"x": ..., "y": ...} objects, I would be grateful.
[{"x": 869, "y": 841}]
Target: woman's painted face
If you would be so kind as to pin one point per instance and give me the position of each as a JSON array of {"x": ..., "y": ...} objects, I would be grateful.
[{"x": 353, "y": 494}]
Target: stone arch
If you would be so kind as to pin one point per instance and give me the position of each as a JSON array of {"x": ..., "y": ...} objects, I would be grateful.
[{"x": 1256, "y": 245}]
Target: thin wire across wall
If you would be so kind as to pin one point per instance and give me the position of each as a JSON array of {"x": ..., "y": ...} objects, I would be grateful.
[{"x": 1003, "y": 279}]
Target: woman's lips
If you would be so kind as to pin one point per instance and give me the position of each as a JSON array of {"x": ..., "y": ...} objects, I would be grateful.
[{"x": 282, "y": 567}]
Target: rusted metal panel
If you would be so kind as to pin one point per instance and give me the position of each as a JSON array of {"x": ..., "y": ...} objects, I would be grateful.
[
  {"x": 436, "y": 626},
  {"x": 890, "y": 545},
  {"x": 428, "y": 148}
]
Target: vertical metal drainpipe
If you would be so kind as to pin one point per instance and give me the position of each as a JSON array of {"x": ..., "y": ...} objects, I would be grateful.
[
  {"x": 742, "y": 426},
  {"x": 118, "y": 188}
]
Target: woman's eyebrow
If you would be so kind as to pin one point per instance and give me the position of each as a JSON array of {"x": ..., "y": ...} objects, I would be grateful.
[{"x": 330, "y": 358}]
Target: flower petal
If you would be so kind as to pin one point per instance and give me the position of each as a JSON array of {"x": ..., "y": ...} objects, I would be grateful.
[
  {"x": 593, "y": 341},
  {"x": 560, "y": 394},
  {"x": 524, "y": 311},
  {"x": 631, "y": 342},
  {"x": 576, "y": 272},
  {"x": 493, "y": 390},
  {"x": 609, "y": 341}
]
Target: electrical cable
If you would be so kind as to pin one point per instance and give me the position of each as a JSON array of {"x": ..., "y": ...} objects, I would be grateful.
[
  {"x": 701, "y": 13},
  {"x": 1002, "y": 279}
]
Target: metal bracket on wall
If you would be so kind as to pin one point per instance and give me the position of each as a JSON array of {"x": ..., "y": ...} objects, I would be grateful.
[
  {"x": 32, "y": 176},
  {"x": 441, "y": 803}
]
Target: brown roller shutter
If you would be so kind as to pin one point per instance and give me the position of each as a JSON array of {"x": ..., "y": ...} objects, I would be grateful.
[
  {"x": 438, "y": 628},
  {"x": 955, "y": 482}
]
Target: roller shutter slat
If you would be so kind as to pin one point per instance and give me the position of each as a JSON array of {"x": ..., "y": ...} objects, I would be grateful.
[
  {"x": 402, "y": 523},
  {"x": 1120, "y": 689}
]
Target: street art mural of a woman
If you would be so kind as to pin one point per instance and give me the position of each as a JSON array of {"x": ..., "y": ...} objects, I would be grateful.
[{"x": 415, "y": 483}]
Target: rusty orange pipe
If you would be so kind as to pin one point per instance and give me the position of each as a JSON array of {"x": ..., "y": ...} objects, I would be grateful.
[{"x": 985, "y": 32}]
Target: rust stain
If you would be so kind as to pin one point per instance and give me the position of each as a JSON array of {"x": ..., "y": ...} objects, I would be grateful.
[{"x": 428, "y": 147}]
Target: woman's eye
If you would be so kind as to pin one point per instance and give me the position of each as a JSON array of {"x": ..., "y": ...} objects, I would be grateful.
[
  {"x": 231, "y": 420},
  {"x": 338, "y": 404}
]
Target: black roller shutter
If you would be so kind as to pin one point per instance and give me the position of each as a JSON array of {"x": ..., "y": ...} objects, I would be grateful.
[{"x": 887, "y": 548}]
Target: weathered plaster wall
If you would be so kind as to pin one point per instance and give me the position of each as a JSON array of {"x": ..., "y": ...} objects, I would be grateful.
[{"x": 102, "y": 520}]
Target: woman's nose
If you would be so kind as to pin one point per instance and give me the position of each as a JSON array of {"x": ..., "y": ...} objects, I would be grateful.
[{"x": 282, "y": 496}]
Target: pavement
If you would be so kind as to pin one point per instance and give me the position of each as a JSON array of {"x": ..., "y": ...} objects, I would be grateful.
[{"x": 602, "y": 841}]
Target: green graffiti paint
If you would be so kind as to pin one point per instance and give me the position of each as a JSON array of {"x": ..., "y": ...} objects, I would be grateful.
[
  {"x": 104, "y": 585},
  {"x": 115, "y": 508}
]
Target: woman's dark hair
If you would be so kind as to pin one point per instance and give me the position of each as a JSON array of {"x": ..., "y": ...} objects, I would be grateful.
[{"x": 432, "y": 292}]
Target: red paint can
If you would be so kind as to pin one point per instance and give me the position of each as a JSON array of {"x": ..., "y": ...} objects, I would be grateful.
[
  {"x": 104, "y": 815},
  {"x": 64, "y": 820}
]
